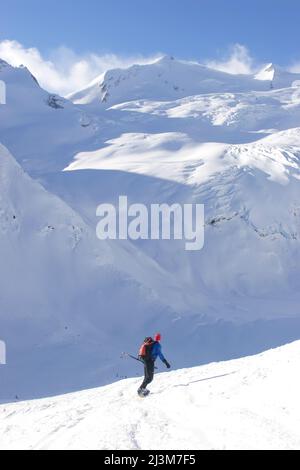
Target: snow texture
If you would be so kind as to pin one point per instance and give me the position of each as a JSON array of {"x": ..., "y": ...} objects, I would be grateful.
[
  {"x": 249, "y": 403},
  {"x": 171, "y": 131}
]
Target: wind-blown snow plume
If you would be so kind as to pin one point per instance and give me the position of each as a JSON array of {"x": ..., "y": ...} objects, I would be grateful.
[
  {"x": 65, "y": 71},
  {"x": 239, "y": 61}
]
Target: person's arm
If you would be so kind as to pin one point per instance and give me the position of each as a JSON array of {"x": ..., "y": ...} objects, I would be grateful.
[{"x": 162, "y": 357}]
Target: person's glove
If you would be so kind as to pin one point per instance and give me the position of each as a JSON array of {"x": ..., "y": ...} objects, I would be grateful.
[{"x": 167, "y": 364}]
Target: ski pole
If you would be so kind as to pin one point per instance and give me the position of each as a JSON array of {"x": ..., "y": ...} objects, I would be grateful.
[{"x": 133, "y": 357}]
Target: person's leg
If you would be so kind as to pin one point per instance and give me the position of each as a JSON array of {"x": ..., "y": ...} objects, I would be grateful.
[
  {"x": 145, "y": 381},
  {"x": 149, "y": 374}
]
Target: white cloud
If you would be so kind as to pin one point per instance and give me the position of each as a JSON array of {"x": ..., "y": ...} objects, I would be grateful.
[
  {"x": 64, "y": 71},
  {"x": 295, "y": 68},
  {"x": 238, "y": 60}
]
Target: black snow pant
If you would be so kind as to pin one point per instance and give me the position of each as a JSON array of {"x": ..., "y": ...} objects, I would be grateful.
[{"x": 149, "y": 373}]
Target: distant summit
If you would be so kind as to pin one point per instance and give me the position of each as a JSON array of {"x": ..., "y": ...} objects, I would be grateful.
[
  {"x": 266, "y": 73},
  {"x": 165, "y": 79},
  {"x": 278, "y": 76}
]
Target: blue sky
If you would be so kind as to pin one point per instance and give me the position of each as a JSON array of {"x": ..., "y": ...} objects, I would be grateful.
[
  {"x": 197, "y": 29},
  {"x": 67, "y": 43}
]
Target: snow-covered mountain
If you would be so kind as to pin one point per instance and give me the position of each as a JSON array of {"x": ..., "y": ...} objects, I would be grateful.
[
  {"x": 171, "y": 131},
  {"x": 46, "y": 252},
  {"x": 278, "y": 77},
  {"x": 66, "y": 301},
  {"x": 171, "y": 79},
  {"x": 250, "y": 403},
  {"x": 49, "y": 129}
]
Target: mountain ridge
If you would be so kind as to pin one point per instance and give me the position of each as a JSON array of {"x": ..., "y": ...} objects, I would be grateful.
[{"x": 168, "y": 77}]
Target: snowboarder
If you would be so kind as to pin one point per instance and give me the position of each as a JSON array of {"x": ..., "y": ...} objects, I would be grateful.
[{"x": 149, "y": 352}]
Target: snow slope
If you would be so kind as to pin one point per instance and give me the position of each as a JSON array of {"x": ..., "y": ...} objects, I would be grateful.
[
  {"x": 230, "y": 142},
  {"x": 58, "y": 306},
  {"x": 250, "y": 403},
  {"x": 234, "y": 213},
  {"x": 49, "y": 129}
]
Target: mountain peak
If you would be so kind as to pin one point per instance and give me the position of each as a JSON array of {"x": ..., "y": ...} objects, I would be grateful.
[
  {"x": 269, "y": 67},
  {"x": 166, "y": 59},
  {"x": 3, "y": 64},
  {"x": 278, "y": 76},
  {"x": 266, "y": 73}
]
